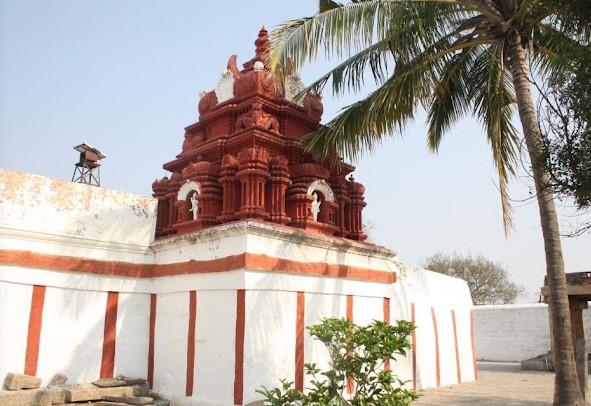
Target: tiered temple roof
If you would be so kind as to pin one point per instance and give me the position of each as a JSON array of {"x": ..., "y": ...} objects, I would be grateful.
[{"x": 243, "y": 160}]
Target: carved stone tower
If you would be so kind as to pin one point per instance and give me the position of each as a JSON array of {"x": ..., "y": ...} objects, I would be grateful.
[{"x": 243, "y": 160}]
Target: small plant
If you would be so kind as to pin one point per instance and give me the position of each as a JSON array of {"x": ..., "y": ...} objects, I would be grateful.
[{"x": 357, "y": 374}]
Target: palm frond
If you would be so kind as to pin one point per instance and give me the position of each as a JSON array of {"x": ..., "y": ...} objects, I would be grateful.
[
  {"x": 325, "y": 5},
  {"x": 447, "y": 55},
  {"x": 350, "y": 74},
  {"x": 450, "y": 96},
  {"x": 386, "y": 111},
  {"x": 337, "y": 31},
  {"x": 552, "y": 49},
  {"x": 410, "y": 27},
  {"x": 491, "y": 91}
]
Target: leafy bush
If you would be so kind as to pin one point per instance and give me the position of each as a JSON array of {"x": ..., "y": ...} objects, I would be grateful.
[{"x": 357, "y": 374}]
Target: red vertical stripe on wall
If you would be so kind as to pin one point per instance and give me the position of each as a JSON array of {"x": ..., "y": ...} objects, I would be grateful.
[
  {"x": 299, "y": 350},
  {"x": 34, "y": 331},
  {"x": 110, "y": 336},
  {"x": 153, "y": 299},
  {"x": 458, "y": 367},
  {"x": 436, "y": 333},
  {"x": 473, "y": 344},
  {"x": 414, "y": 347},
  {"x": 239, "y": 351},
  {"x": 387, "y": 310},
  {"x": 350, "y": 307},
  {"x": 350, "y": 318},
  {"x": 191, "y": 342},
  {"x": 387, "y": 321}
]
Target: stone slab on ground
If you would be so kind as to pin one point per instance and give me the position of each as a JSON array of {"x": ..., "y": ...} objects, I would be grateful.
[
  {"x": 535, "y": 364},
  {"x": 141, "y": 390},
  {"x": 33, "y": 397},
  {"x": 109, "y": 382},
  {"x": 161, "y": 402},
  {"x": 14, "y": 381},
  {"x": 86, "y": 392},
  {"x": 99, "y": 403},
  {"x": 132, "y": 381},
  {"x": 57, "y": 380},
  {"x": 130, "y": 400}
]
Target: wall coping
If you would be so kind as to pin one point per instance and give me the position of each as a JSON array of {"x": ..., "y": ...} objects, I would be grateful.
[{"x": 277, "y": 232}]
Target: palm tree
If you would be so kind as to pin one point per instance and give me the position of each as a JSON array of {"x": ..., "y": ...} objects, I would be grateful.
[{"x": 451, "y": 57}]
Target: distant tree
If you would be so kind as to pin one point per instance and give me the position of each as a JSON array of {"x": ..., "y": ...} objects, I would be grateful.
[
  {"x": 488, "y": 281},
  {"x": 565, "y": 118}
]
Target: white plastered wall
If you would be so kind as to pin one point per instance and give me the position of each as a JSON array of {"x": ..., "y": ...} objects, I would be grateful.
[
  {"x": 269, "y": 340},
  {"x": 15, "y": 306},
  {"x": 89, "y": 222},
  {"x": 72, "y": 334},
  {"x": 133, "y": 327},
  {"x": 430, "y": 291},
  {"x": 214, "y": 346},
  {"x": 170, "y": 348},
  {"x": 515, "y": 332},
  {"x": 58, "y": 217}
]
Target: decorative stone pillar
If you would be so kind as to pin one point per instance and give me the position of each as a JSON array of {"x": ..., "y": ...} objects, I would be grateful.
[
  {"x": 356, "y": 205},
  {"x": 298, "y": 204},
  {"x": 171, "y": 196},
  {"x": 279, "y": 183},
  {"x": 341, "y": 191},
  {"x": 160, "y": 188},
  {"x": 253, "y": 174},
  {"x": 328, "y": 213},
  {"x": 181, "y": 210},
  {"x": 231, "y": 189}
]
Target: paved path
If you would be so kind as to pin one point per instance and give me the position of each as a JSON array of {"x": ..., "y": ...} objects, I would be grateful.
[{"x": 499, "y": 384}]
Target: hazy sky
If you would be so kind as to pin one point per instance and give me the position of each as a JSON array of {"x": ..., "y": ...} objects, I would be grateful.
[{"x": 125, "y": 77}]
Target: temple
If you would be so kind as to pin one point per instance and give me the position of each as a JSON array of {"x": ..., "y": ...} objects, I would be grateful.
[
  {"x": 206, "y": 289},
  {"x": 243, "y": 160}
]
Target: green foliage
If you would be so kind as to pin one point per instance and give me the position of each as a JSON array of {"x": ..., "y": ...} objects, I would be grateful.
[
  {"x": 566, "y": 117},
  {"x": 357, "y": 359},
  {"x": 488, "y": 281}
]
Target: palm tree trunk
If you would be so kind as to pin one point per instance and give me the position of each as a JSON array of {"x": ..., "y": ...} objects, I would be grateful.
[{"x": 566, "y": 384}]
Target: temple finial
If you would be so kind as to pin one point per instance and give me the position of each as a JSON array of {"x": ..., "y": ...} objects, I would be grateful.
[{"x": 262, "y": 45}]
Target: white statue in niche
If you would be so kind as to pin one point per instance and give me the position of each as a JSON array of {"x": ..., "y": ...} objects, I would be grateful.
[
  {"x": 259, "y": 66},
  {"x": 315, "y": 206},
  {"x": 194, "y": 205}
]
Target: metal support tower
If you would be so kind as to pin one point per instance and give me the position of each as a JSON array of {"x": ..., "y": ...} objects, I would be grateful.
[{"x": 88, "y": 169}]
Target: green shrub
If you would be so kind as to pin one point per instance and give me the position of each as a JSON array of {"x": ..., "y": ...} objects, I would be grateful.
[{"x": 357, "y": 358}]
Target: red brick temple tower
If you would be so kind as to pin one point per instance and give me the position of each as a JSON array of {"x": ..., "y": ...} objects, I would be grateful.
[{"x": 243, "y": 160}]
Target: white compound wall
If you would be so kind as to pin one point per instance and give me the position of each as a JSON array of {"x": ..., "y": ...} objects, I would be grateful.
[
  {"x": 514, "y": 332},
  {"x": 207, "y": 317}
]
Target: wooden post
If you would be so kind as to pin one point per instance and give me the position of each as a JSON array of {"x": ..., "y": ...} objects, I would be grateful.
[{"x": 582, "y": 365}]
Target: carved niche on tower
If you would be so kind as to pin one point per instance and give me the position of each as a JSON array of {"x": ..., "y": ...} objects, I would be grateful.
[{"x": 242, "y": 159}]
